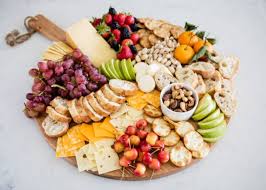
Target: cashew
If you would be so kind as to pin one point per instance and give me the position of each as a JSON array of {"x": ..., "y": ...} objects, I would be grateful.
[
  {"x": 183, "y": 106},
  {"x": 185, "y": 99},
  {"x": 191, "y": 101}
]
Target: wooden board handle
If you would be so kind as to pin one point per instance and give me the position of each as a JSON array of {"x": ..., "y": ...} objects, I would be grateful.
[{"x": 47, "y": 28}]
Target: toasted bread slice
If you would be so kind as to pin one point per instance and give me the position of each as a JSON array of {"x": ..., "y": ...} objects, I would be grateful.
[
  {"x": 123, "y": 87},
  {"x": 161, "y": 127},
  {"x": 109, "y": 94},
  {"x": 180, "y": 156},
  {"x": 229, "y": 66},
  {"x": 203, "y": 152},
  {"x": 54, "y": 128},
  {"x": 81, "y": 110},
  {"x": 226, "y": 102},
  {"x": 73, "y": 110},
  {"x": 163, "y": 79},
  {"x": 193, "y": 141},
  {"x": 227, "y": 86},
  {"x": 57, "y": 116},
  {"x": 201, "y": 87},
  {"x": 105, "y": 103},
  {"x": 96, "y": 106},
  {"x": 214, "y": 83},
  {"x": 187, "y": 76},
  {"x": 91, "y": 112},
  {"x": 203, "y": 68},
  {"x": 171, "y": 139},
  {"x": 60, "y": 105}
]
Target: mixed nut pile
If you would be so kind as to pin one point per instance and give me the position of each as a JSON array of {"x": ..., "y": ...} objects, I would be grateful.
[
  {"x": 179, "y": 99},
  {"x": 161, "y": 52}
]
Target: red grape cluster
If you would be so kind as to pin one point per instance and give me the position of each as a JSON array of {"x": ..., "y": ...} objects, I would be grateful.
[{"x": 71, "y": 78}]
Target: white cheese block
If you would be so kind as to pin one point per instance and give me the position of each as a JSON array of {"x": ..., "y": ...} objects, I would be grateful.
[{"x": 84, "y": 36}]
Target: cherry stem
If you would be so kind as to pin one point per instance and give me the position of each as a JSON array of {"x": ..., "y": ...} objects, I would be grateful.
[
  {"x": 155, "y": 151},
  {"x": 131, "y": 166}
]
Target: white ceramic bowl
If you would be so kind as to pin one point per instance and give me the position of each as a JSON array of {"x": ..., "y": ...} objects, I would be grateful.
[{"x": 178, "y": 116}]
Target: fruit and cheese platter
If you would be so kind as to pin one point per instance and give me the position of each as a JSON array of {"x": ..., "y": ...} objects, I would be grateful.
[{"x": 131, "y": 98}]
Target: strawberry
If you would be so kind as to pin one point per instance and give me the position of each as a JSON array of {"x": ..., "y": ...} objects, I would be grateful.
[
  {"x": 130, "y": 20},
  {"x": 103, "y": 30},
  {"x": 135, "y": 38},
  {"x": 125, "y": 53},
  {"x": 115, "y": 17},
  {"x": 128, "y": 27},
  {"x": 127, "y": 42},
  {"x": 117, "y": 34},
  {"x": 121, "y": 19},
  {"x": 96, "y": 21},
  {"x": 108, "y": 19}
]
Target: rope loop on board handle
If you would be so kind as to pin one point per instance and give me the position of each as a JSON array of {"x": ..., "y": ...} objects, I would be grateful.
[{"x": 14, "y": 37}]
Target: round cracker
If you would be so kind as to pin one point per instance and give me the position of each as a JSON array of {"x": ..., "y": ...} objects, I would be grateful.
[
  {"x": 143, "y": 20},
  {"x": 152, "y": 24},
  {"x": 153, "y": 39},
  {"x": 203, "y": 152},
  {"x": 183, "y": 127},
  {"x": 180, "y": 156},
  {"x": 161, "y": 127},
  {"x": 152, "y": 111},
  {"x": 193, "y": 141},
  {"x": 176, "y": 31},
  {"x": 144, "y": 41},
  {"x": 171, "y": 139},
  {"x": 162, "y": 32}
]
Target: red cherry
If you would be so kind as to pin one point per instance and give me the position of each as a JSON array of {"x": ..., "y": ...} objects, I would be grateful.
[
  {"x": 140, "y": 169},
  {"x": 117, "y": 34},
  {"x": 127, "y": 42},
  {"x": 124, "y": 139},
  {"x": 141, "y": 133},
  {"x": 141, "y": 124},
  {"x": 147, "y": 158},
  {"x": 155, "y": 164},
  {"x": 135, "y": 38},
  {"x": 163, "y": 156},
  {"x": 159, "y": 144},
  {"x": 108, "y": 19},
  {"x": 121, "y": 19},
  {"x": 144, "y": 146},
  {"x": 131, "y": 130},
  {"x": 123, "y": 161},
  {"x": 131, "y": 154},
  {"x": 151, "y": 138},
  {"x": 130, "y": 20}
]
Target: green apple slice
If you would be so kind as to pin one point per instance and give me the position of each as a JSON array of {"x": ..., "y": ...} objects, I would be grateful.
[
  {"x": 203, "y": 103},
  {"x": 112, "y": 66},
  {"x": 118, "y": 70},
  {"x": 209, "y": 109},
  {"x": 212, "y": 123},
  {"x": 212, "y": 140},
  {"x": 213, "y": 116},
  {"x": 213, "y": 132},
  {"x": 131, "y": 69},
  {"x": 123, "y": 66},
  {"x": 110, "y": 71},
  {"x": 104, "y": 71}
]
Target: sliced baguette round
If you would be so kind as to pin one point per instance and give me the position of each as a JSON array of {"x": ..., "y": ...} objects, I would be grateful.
[
  {"x": 187, "y": 76},
  {"x": 57, "y": 116},
  {"x": 226, "y": 102},
  {"x": 60, "y": 105},
  {"x": 73, "y": 110},
  {"x": 163, "y": 79},
  {"x": 203, "y": 68},
  {"x": 201, "y": 87},
  {"x": 109, "y": 94},
  {"x": 214, "y": 83},
  {"x": 180, "y": 156},
  {"x": 81, "y": 110},
  {"x": 96, "y": 106},
  {"x": 105, "y": 103},
  {"x": 123, "y": 87},
  {"x": 229, "y": 66},
  {"x": 54, "y": 128},
  {"x": 90, "y": 111}
]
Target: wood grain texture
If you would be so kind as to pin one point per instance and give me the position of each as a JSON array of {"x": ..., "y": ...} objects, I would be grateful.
[{"x": 166, "y": 169}]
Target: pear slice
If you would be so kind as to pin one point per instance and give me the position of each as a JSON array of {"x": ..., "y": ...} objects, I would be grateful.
[
  {"x": 123, "y": 66},
  {"x": 104, "y": 71},
  {"x": 118, "y": 70},
  {"x": 213, "y": 116},
  {"x": 209, "y": 109},
  {"x": 112, "y": 67},
  {"x": 131, "y": 69},
  {"x": 213, "y": 132},
  {"x": 213, "y": 123},
  {"x": 203, "y": 103},
  {"x": 212, "y": 140}
]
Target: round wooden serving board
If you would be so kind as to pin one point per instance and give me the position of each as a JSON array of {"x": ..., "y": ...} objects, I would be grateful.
[{"x": 166, "y": 169}]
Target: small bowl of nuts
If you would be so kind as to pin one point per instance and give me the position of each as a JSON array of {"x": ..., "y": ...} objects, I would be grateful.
[{"x": 178, "y": 101}]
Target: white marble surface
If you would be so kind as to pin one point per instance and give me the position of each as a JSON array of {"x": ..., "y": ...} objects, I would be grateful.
[{"x": 238, "y": 161}]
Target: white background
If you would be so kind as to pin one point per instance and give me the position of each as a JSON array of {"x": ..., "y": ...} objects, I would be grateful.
[{"x": 237, "y": 162}]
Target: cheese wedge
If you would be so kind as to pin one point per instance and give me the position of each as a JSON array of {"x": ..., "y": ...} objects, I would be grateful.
[{"x": 84, "y": 36}]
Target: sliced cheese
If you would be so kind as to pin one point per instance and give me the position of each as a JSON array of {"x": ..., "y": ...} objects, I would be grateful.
[
  {"x": 108, "y": 126},
  {"x": 88, "y": 132},
  {"x": 84, "y": 36},
  {"x": 100, "y": 132}
]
